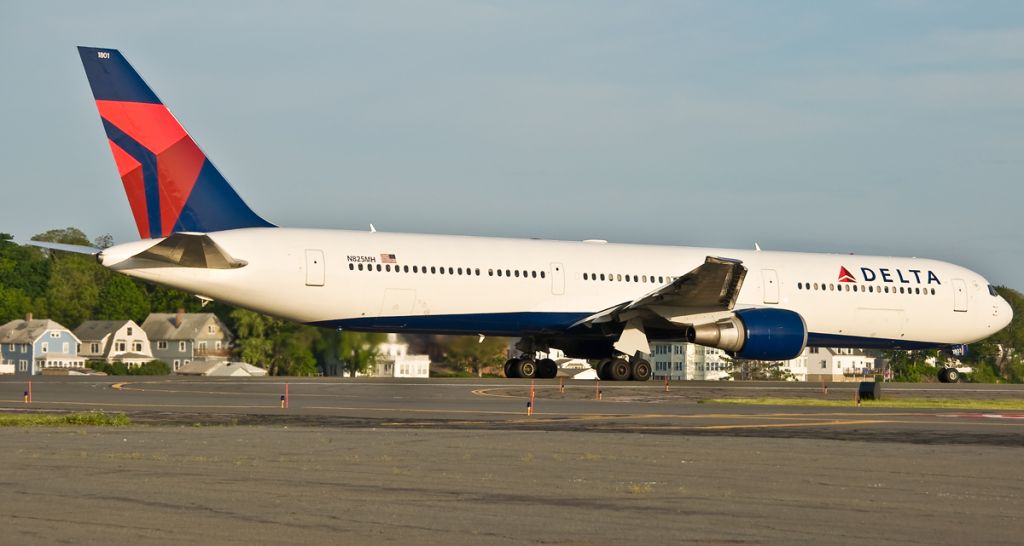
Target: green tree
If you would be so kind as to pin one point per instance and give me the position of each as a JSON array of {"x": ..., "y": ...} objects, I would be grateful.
[
  {"x": 121, "y": 298},
  {"x": 67, "y": 236},
  {"x": 253, "y": 332},
  {"x": 72, "y": 293},
  {"x": 357, "y": 351},
  {"x": 471, "y": 354}
]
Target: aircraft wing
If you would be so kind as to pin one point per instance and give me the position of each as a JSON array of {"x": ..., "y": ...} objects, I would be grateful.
[{"x": 705, "y": 292}]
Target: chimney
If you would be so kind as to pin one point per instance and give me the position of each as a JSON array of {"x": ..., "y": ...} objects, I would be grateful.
[
  {"x": 28, "y": 317},
  {"x": 179, "y": 318}
]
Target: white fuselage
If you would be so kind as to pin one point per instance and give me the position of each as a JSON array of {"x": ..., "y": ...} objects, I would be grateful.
[{"x": 331, "y": 278}]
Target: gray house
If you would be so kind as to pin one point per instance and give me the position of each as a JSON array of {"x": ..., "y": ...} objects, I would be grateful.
[
  {"x": 181, "y": 338},
  {"x": 32, "y": 345}
]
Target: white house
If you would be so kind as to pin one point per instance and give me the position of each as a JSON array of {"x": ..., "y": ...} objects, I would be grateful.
[
  {"x": 688, "y": 361},
  {"x": 394, "y": 360},
  {"x": 114, "y": 341},
  {"x": 831, "y": 364}
]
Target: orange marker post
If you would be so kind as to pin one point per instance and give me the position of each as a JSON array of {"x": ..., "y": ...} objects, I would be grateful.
[
  {"x": 30, "y": 392},
  {"x": 666, "y": 383},
  {"x": 533, "y": 394},
  {"x": 286, "y": 396},
  {"x": 561, "y": 385}
]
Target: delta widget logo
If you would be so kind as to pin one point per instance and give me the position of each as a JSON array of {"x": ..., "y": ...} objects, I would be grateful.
[{"x": 845, "y": 275}]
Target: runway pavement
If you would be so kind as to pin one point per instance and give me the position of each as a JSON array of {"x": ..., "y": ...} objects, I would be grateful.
[
  {"x": 460, "y": 462},
  {"x": 502, "y": 404}
]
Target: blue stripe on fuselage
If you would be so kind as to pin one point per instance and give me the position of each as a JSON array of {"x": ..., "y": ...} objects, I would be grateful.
[{"x": 529, "y": 323}]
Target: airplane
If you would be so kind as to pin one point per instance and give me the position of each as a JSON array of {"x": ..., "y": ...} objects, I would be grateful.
[{"x": 591, "y": 299}]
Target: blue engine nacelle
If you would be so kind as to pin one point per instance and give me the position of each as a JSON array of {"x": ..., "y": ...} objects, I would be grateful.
[{"x": 755, "y": 334}]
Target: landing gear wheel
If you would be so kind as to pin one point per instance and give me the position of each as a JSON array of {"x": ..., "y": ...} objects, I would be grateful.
[
  {"x": 511, "y": 367},
  {"x": 944, "y": 375},
  {"x": 546, "y": 369},
  {"x": 602, "y": 369},
  {"x": 952, "y": 375},
  {"x": 527, "y": 369},
  {"x": 640, "y": 370},
  {"x": 618, "y": 369}
]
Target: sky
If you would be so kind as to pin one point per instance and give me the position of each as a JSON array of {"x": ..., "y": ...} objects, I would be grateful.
[{"x": 888, "y": 128}]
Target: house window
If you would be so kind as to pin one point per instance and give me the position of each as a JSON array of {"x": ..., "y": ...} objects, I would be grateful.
[
  {"x": 55, "y": 334},
  {"x": 202, "y": 345},
  {"x": 121, "y": 346},
  {"x": 181, "y": 346},
  {"x": 129, "y": 330},
  {"x": 24, "y": 348},
  {"x": 211, "y": 329},
  {"x": 216, "y": 345},
  {"x": 177, "y": 364},
  {"x": 94, "y": 348},
  {"x": 10, "y": 347},
  {"x": 137, "y": 346},
  {"x": 161, "y": 344},
  {"x": 23, "y": 365},
  {"x": 45, "y": 347},
  {"x": 64, "y": 348},
  {"x": 187, "y": 361}
]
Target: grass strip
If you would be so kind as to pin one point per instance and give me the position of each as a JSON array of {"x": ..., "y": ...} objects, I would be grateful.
[
  {"x": 92, "y": 418},
  {"x": 916, "y": 403}
]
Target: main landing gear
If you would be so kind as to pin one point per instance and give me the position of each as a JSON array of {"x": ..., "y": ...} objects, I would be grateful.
[
  {"x": 526, "y": 367},
  {"x": 620, "y": 369},
  {"x": 949, "y": 375}
]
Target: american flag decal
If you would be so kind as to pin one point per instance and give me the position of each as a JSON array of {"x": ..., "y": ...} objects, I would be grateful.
[{"x": 388, "y": 259}]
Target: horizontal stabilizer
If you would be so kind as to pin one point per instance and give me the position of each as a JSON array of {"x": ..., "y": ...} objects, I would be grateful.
[
  {"x": 61, "y": 247},
  {"x": 190, "y": 250}
]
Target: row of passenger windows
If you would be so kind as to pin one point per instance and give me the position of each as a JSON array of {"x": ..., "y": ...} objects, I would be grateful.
[
  {"x": 441, "y": 270},
  {"x": 849, "y": 287},
  {"x": 619, "y": 277}
]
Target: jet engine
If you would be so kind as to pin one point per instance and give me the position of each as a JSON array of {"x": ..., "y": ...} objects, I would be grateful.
[{"x": 755, "y": 334}]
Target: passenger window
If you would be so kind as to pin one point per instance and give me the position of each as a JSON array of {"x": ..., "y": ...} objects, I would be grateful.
[
  {"x": 360, "y": 267},
  {"x": 602, "y": 276},
  {"x": 542, "y": 274},
  {"x": 533, "y": 274},
  {"x": 619, "y": 277},
  {"x": 378, "y": 268},
  {"x": 585, "y": 277},
  {"x": 508, "y": 273},
  {"x": 490, "y": 272},
  {"x": 815, "y": 286},
  {"x": 477, "y": 271},
  {"x": 517, "y": 273},
  {"x": 433, "y": 270},
  {"x": 460, "y": 271}
]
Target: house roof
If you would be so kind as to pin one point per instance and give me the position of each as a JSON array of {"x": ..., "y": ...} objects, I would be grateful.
[
  {"x": 220, "y": 368},
  {"x": 20, "y": 331},
  {"x": 161, "y": 326},
  {"x": 96, "y": 329}
]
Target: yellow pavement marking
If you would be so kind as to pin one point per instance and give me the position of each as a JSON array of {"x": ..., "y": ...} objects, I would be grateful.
[{"x": 118, "y": 386}]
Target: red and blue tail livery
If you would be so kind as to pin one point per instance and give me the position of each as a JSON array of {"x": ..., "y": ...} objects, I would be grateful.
[{"x": 171, "y": 185}]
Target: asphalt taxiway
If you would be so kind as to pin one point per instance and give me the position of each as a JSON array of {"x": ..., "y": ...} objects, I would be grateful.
[{"x": 460, "y": 462}]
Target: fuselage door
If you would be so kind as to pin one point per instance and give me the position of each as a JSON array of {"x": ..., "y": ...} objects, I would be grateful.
[
  {"x": 557, "y": 279},
  {"x": 959, "y": 295},
  {"x": 314, "y": 267},
  {"x": 770, "y": 278}
]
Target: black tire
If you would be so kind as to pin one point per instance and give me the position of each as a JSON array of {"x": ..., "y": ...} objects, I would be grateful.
[
  {"x": 952, "y": 375},
  {"x": 640, "y": 370},
  {"x": 944, "y": 375},
  {"x": 511, "y": 366},
  {"x": 602, "y": 369},
  {"x": 526, "y": 369},
  {"x": 618, "y": 370},
  {"x": 546, "y": 369}
]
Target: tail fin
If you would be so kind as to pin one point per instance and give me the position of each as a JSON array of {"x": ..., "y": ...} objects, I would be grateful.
[{"x": 170, "y": 183}]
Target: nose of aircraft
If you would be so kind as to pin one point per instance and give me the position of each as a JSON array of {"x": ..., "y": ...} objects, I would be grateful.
[{"x": 1004, "y": 314}]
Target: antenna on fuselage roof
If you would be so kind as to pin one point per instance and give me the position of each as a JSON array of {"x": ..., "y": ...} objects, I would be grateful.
[
  {"x": 757, "y": 247},
  {"x": 373, "y": 229}
]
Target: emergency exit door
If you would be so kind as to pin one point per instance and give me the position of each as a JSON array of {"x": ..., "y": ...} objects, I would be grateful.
[
  {"x": 557, "y": 279},
  {"x": 315, "y": 271},
  {"x": 770, "y": 279},
  {"x": 959, "y": 295}
]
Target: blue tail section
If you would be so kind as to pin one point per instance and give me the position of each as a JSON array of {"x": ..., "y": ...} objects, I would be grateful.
[{"x": 171, "y": 185}]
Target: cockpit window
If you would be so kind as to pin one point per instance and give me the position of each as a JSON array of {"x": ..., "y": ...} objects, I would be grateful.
[{"x": 992, "y": 290}]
